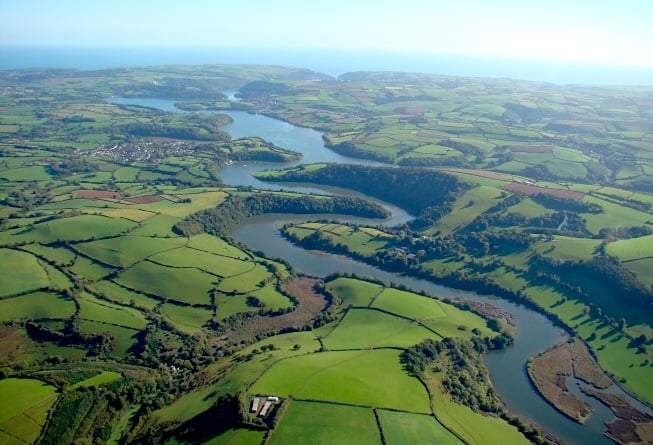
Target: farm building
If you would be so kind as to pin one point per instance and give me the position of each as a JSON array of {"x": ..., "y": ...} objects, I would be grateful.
[
  {"x": 265, "y": 409},
  {"x": 255, "y": 404}
]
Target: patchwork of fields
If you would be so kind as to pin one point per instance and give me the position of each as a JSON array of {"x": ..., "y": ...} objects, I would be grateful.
[{"x": 123, "y": 320}]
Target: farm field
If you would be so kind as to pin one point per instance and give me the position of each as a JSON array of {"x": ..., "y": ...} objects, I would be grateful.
[
  {"x": 323, "y": 423},
  {"x": 399, "y": 428},
  {"x": 24, "y": 413}
]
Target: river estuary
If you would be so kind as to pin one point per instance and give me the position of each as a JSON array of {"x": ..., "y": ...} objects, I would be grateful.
[{"x": 507, "y": 368}]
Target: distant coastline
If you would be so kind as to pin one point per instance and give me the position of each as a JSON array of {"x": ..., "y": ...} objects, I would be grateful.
[{"x": 332, "y": 62}]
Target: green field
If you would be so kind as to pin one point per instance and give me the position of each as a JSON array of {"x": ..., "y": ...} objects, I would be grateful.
[
  {"x": 101, "y": 379},
  {"x": 407, "y": 428},
  {"x": 21, "y": 272},
  {"x": 350, "y": 377},
  {"x": 366, "y": 328},
  {"x": 324, "y": 423},
  {"x": 354, "y": 292},
  {"x": 118, "y": 294},
  {"x": 213, "y": 244},
  {"x": 471, "y": 426},
  {"x": 83, "y": 227},
  {"x": 94, "y": 309},
  {"x": 187, "y": 319},
  {"x": 26, "y": 403},
  {"x": 186, "y": 285},
  {"x": 208, "y": 262},
  {"x": 632, "y": 249},
  {"x": 245, "y": 282},
  {"x": 36, "y": 306},
  {"x": 409, "y": 305},
  {"x": 238, "y": 437},
  {"x": 125, "y": 251}
]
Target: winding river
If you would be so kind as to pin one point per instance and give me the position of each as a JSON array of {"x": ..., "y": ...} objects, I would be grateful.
[{"x": 507, "y": 369}]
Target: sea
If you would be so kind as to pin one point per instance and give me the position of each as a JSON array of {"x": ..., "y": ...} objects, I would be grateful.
[{"x": 332, "y": 62}]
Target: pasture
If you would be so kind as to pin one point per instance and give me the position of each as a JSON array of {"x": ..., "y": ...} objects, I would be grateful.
[
  {"x": 407, "y": 428},
  {"x": 208, "y": 262},
  {"x": 77, "y": 228},
  {"x": 471, "y": 426},
  {"x": 238, "y": 437},
  {"x": 101, "y": 379},
  {"x": 408, "y": 304},
  {"x": 325, "y": 423},
  {"x": 37, "y": 306},
  {"x": 94, "y": 309},
  {"x": 213, "y": 244},
  {"x": 186, "y": 285},
  {"x": 354, "y": 292},
  {"x": 26, "y": 403},
  {"x": 189, "y": 320},
  {"x": 20, "y": 272},
  {"x": 126, "y": 251},
  {"x": 350, "y": 377},
  {"x": 368, "y": 328}
]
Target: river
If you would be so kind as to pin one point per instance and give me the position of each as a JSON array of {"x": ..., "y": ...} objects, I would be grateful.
[{"x": 535, "y": 333}]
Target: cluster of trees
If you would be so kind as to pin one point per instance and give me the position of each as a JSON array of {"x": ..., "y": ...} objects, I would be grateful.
[
  {"x": 422, "y": 192},
  {"x": 564, "y": 204},
  {"x": 219, "y": 221},
  {"x": 261, "y": 89},
  {"x": 71, "y": 165},
  {"x": 466, "y": 380},
  {"x": 583, "y": 276},
  {"x": 165, "y": 131},
  {"x": 96, "y": 344},
  {"x": 173, "y": 88}
]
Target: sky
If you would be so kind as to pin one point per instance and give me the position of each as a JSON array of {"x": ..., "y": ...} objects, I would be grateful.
[{"x": 610, "y": 32}]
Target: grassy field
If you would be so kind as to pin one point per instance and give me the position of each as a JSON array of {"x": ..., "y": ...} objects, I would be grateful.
[
  {"x": 78, "y": 228},
  {"x": 238, "y": 437},
  {"x": 366, "y": 328},
  {"x": 222, "y": 266},
  {"x": 354, "y": 292},
  {"x": 36, "y": 306},
  {"x": 407, "y": 428},
  {"x": 101, "y": 379},
  {"x": 324, "y": 423},
  {"x": 94, "y": 309},
  {"x": 24, "y": 410},
  {"x": 187, "y": 285},
  {"x": 213, "y": 244},
  {"x": 187, "y": 319},
  {"x": 118, "y": 294},
  {"x": 472, "y": 427},
  {"x": 125, "y": 251},
  {"x": 21, "y": 272},
  {"x": 409, "y": 305},
  {"x": 350, "y": 377}
]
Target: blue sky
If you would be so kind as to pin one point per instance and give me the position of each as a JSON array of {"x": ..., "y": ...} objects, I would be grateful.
[{"x": 615, "y": 32}]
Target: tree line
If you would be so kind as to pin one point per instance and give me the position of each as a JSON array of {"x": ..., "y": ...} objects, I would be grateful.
[
  {"x": 234, "y": 210},
  {"x": 426, "y": 193}
]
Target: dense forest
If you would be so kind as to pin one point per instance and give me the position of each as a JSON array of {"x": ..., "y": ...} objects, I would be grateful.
[
  {"x": 426, "y": 193},
  {"x": 220, "y": 220}
]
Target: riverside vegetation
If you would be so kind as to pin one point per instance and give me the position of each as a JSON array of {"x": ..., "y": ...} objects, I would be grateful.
[{"x": 130, "y": 316}]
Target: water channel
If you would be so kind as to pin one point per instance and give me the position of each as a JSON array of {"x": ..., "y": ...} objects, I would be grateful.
[{"x": 507, "y": 367}]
